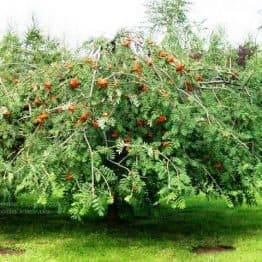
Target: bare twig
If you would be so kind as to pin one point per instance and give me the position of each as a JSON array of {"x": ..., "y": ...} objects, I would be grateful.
[
  {"x": 119, "y": 165},
  {"x": 107, "y": 184},
  {"x": 91, "y": 162}
]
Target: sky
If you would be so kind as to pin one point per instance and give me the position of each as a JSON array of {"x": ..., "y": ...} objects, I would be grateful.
[{"x": 74, "y": 21}]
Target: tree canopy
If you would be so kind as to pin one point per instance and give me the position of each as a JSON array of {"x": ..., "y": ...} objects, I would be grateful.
[{"x": 129, "y": 120}]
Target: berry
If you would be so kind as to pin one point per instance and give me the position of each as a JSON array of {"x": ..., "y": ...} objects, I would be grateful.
[
  {"x": 102, "y": 83},
  {"x": 84, "y": 117},
  {"x": 180, "y": 68},
  {"x": 137, "y": 68},
  {"x": 71, "y": 108},
  {"x": 69, "y": 176},
  {"x": 161, "y": 119},
  {"x": 48, "y": 86},
  {"x": 170, "y": 59},
  {"x": 74, "y": 83},
  {"x": 127, "y": 42},
  {"x": 114, "y": 134}
]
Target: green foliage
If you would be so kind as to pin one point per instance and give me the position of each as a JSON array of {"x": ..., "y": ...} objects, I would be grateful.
[
  {"x": 167, "y": 14},
  {"x": 139, "y": 129}
]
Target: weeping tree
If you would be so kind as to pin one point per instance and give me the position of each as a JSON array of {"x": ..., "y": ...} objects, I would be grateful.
[{"x": 128, "y": 122}]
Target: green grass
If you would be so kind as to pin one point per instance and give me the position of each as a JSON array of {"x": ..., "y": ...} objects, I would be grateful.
[{"x": 170, "y": 238}]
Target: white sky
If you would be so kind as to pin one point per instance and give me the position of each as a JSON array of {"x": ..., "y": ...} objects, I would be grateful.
[{"x": 75, "y": 21}]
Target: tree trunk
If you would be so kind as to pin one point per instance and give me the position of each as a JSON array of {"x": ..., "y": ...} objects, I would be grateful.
[{"x": 112, "y": 216}]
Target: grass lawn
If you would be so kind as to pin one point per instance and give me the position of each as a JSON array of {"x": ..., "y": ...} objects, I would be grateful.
[{"x": 169, "y": 238}]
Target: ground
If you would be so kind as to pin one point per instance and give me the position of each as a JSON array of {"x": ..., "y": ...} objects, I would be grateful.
[{"x": 163, "y": 238}]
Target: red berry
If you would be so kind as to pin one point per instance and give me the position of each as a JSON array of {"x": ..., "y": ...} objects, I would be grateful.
[
  {"x": 69, "y": 176},
  {"x": 115, "y": 134},
  {"x": 95, "y": 124},
  {"x": 180, "y": 68},
  {"x": 84, "y": 117},
  {"x": 140, "y": 122},
  {"x": 102, "y": 83},
  {"x": 161, "y": 119},
  {"x": 74, "y": 83},
  {"x": 48, "y": 86},
  {"x": 218, "y": 166}
]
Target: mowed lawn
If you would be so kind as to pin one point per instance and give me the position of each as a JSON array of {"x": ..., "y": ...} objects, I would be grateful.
[{"x": 165, "y": 238}]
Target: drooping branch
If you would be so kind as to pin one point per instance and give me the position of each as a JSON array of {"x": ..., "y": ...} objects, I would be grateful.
[{"x": 91, "y": 162}]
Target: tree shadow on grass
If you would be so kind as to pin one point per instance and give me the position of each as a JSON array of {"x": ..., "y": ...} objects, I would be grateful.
[{"x": 199, "y": 223}]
